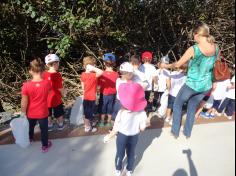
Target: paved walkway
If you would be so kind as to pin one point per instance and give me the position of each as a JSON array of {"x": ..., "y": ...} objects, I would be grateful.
[{"x": 210, "y": 152}]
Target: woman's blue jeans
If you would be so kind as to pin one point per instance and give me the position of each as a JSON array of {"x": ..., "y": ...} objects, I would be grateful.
[{"x": 193, "y": 99}]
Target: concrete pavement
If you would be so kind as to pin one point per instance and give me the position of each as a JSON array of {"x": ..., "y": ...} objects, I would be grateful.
[{"x": 210, "y": 152}]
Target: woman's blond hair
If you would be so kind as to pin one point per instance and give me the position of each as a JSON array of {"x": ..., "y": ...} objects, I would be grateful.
[{"x": 203, "y": 30}]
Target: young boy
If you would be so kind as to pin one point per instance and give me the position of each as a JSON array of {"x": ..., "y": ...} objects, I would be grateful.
[
  {"x": 150, "y": 73},
  {"x": 130, "y": 121},
  {"x": 55, "y": 104},
  {"x": 34, "y": 103},
  {"x": 229, "y": 102},
  {"x": 89, "y": 85},
  {"x": 107, "y": 83},
  {"x": 218, "y": 94},
  {"x": 139, "y": 77}
]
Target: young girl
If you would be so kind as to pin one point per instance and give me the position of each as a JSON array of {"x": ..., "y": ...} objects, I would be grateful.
[
  {"x": 89, "y": 85},
  {"x": 55, "y": 104},
  {"x": 34, "y": 102},
  {"x": 107, "y": 83},
  {"x": 130, "y": 121},
  {"x": 127, "y": 74},
  {"x": 178, "y": 79}
]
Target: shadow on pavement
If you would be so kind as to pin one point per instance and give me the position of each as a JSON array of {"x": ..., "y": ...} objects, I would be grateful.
[{"x": 192, "y": 168}]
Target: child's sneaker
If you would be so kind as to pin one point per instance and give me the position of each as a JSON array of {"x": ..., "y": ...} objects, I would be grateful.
[
  {"x": 92, "y": 130},
  {"x": 167, "y": 120},
  {"x": 61, "y": 126},
  {"x": 170, "y": 122},
  {"x": 129, "y": 173},
  {"x": 46, "y": 148},
  {"x": 203, "y": 114},
  {"x": 50, "y": 127},
  {"x": 101, "y": 124},
  {"x": 109, "y": 124},
  {"x": 117, "y": 173}
]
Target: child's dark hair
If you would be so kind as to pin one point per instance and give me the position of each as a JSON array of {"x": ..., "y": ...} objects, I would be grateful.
[
  {"x": 109, "y": 64},
  {"x": 134, "y": 60},
  {"x": 36, "y": 65}
]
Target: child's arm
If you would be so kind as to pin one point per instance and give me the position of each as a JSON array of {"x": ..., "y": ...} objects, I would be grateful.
[
  {"x": 168, "y": 84},
  {"x": 24, "y": 105},
  {"x": 98, "y": 71}
]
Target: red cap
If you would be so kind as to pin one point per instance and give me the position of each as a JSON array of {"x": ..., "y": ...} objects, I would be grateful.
[{"x": 146, "y": 55}]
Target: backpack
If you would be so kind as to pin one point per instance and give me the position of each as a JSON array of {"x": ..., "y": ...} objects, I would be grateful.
[{"x": 221, "y": 70}]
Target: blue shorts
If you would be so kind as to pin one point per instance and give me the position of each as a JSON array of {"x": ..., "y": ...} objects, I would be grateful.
[
  {"x": 108, "y": 103},
  {"x": 57, "y": 111},
  {"x": 116, "y": 108},
  {"x": 89, "y": 109},
  {"x": 171, "y": 101},
  {"x": 216, "y": 104}
]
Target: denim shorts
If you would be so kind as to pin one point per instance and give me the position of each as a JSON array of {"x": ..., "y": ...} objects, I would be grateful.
[
  {"x": 216, "y": 104},
  {"x": 89, "y": 109},
  {"x": 57, "y": 111},
  {"x": 171, "y": 100},
  {"x": 108, "y": 103}
]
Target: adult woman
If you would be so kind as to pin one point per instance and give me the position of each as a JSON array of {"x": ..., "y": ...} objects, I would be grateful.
[{"x": 201, "y": 57}]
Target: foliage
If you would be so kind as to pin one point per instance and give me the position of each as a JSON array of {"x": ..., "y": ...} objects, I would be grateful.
[{"x": 73, "y": 28}]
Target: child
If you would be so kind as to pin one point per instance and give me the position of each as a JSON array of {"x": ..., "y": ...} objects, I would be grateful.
[
  {"x": 127, "y": 73},
  {"x": 177, "y": 80},
  {"x": 130, "y": 121},
  {"x": 34, "y": 103},
  {"x": 218, "y": 94},
  {"x": 229, "y": 103},
  {"x": 150, "y": 72},
  {"x": 107, "y": 83},
  {"x": 89, "y": 85},
  {"x": 55, "y": 104},
  {"x": 139, "y": 77},
  {"x": 161, "y": 83}
]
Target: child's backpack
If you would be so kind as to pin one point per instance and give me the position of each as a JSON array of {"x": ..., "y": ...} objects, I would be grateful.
[{"x": 77, "y": 112}]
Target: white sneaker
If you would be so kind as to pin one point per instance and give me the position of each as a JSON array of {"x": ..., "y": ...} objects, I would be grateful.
[
  {"x": 167, "y": 120},
  {"x": 117, "y": 173},
  {"x": 129, "y": 173},
  {"x": 92, "y": 130},
  {"x": 171, "y": 122},
  {"x": 229, "y": 117}
]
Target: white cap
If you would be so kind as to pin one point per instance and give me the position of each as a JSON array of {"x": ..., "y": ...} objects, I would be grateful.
[
  {"x": 165, "y": 60},
  {"x": 51, "y": 58},
  {"x": 127, "y": 67}
]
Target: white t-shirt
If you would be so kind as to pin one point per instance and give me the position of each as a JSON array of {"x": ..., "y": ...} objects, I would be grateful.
[
  {"x": 119, "y": 81},
  {"x": 178, "y": 79},
  {"x": 162, "y": 76},
  {"x": 231, "y": 92},
  {"x": 221, "y": 88},
  {"x": 129, "y": 123},
  {"x": 140, "y": 78},
  {"x": 150, "y": 71}
]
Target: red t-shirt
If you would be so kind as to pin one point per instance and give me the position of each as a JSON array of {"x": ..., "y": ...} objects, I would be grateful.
[
  {"x": 90, "y": 85},
  {"x": 37, "y": 93},
  {"x": 55, "y": 97},
  {"x": 107, "y": 82}
]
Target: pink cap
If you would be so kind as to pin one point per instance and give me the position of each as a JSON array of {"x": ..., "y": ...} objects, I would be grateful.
[{"x": 132, "y": 96}]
